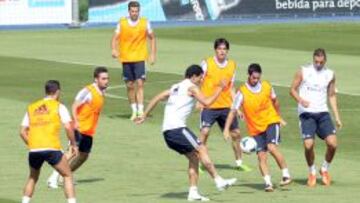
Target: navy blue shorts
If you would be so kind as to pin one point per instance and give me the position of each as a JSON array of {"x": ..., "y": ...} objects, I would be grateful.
[
  {"x": 209, "y": 116},
  {"x": 36, "y": 159},
  {"x": 270, "y": 136},
  {"x": 134, "y": 71},
  {"x": 181, "y": 140},
  {"x": 316, "y": 123},
  {"x": 84, "y": 142}
]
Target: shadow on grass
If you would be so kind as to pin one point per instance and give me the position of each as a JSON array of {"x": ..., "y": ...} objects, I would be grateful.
[
  {"x": 175, "y": 195},
  {"x": 121, "y": 116},
  {"x": 225, "y": 166},
  {"x": 8, "y": 201},
  {"x": 90, "y": 180}
]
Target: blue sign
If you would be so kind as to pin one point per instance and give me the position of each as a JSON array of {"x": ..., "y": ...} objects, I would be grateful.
[{"x": 46, "y": 3}]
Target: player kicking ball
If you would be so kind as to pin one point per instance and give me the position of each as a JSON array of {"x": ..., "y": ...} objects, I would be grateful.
[{"x": 180, "y": 101}]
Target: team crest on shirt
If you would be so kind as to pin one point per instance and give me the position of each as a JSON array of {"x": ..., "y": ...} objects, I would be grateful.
[{"x": 41, "y": 110}]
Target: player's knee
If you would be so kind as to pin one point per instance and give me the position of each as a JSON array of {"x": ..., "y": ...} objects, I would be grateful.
[
  {"x": 130, "y": 85},
  {"x": 332, "y": 146},
  {"x": 140, "y": 84},
  {"x": 272, "y": 148},
  {"x": 235, "y": 135},
  {"x": 309, "y": 145}
]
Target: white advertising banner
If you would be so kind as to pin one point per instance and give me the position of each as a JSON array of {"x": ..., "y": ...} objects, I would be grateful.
[{"x": 25, "y": 12}]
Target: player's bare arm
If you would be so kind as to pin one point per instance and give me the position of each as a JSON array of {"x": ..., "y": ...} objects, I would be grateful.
[
  {"x": 152, "y": 104},
  {"x": 295, "y": 87},
  {"x": 153, "y": 48},
  {"x": 333, "y": 103},
  {"x": 24, "y": 134},
  {"x": 114, "y": 46}
]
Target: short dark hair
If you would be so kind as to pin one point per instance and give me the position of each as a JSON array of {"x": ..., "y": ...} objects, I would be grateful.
[
  {"x": 193, "y": 70},
  {"x": 320, "y": 52},
  {"x": 254, "y": 68},
  {"x": 133, "y": 4},
  {"x": 221, "y": 41},
  {"x": 99, "y": 70},
  {"x": 51, "y": 86}
]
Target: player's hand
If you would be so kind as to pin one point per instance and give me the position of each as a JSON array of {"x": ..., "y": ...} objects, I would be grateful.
[
  {"x": 339, "y": 124},
  {"x": 199, "y": 106},
  {"x": 304, "y": 103},
  {"x": 74, "y": 150},
  {"x": 283, "y": 123},
  {"x": 114, "y": 53},
  {"x": 223, "y": 84},
  {"x": 226, "y": 134},
  {"x": 152, "y": 59},
  {"x": 140, "y": 120},
  {"x": 76, "y": 125},
  {"x": 241, "y": 115}
]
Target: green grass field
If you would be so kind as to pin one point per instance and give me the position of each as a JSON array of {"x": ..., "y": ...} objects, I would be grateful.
[{"x": 132, "y": 163}]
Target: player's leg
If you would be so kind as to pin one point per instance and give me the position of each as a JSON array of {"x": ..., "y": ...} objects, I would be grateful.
[
  {"x": 193, "y": 171},
  {"x": 63, "y": 168},
  {"x": 326, "y": 131},
  {"x": 129, "y": 78},
  {"x": 261, "y": 150},
  {"x": 140, "y": 76},
  {"x": 273, "y": 140},
  {"x": 207, "y": 119},
  {"x": 35, "y": 162},
  {"x": 308, "y": 127}
]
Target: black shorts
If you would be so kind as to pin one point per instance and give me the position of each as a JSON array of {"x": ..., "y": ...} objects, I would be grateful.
[
  {"x": 209, "y": 116},
  {"x": 134, "y": 71},
  {"x": 84, "y": 142},
  {"x": 182, "y": 140},
  {"x": 270, "y": 136},
  {"x": 316, "y": 123},
  {"x": 36, "y": 159}
]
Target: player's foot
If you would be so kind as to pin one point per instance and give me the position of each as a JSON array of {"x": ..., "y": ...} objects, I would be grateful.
[
  {"x": 52, "y": 184},
  {"x": 325, "y": 177},
  {"x": 133, "y": 116},
  {"x": 269, "y": 188},
  {"x": 139, "y": 113},
  {"x": 285, "y": 181},
  {"x": 195, "y": 196},
  {"x": 225, "y": 183},
  {"x": 311, "y": 180},
  {"x": 243, "y": 167}
]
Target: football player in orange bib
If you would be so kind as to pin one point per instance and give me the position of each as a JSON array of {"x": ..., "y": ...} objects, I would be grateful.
[
  {"x": 40, "y": 130},
  {"x": 261, "y": 111},
  {"x": 129, "y": 46},
  {"x": 86, "y": 111}
]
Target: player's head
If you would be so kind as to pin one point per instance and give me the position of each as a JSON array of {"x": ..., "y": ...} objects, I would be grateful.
[
  {"x": 134, "y": 10},
  {"x": 254, "y": 72},
  {"x": 101, "y": 77},
  {"x": 194, "y": 73},
  {"x": 319, "y": 58},
  {"x": 52, "y": 88},
  {"x": 221, "y": 47}
]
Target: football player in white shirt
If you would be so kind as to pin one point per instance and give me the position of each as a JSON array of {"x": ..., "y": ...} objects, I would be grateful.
[
  {"x": 312, "y": 87},
  {"x": 180, "y": 101}
]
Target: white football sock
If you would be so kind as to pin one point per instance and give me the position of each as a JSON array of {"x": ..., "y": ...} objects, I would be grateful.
[
  {"x": 312, "y": 170},
  {"x": 134, "y": 107},
  {"x": 218, "y": 180},
  {"x": 238, "y": 162},
  {"x": 141, "y": 107},
  {"x": 26, "y": 199},
  {"x": 54, "y": 176},
  {"x": 325, "y": 166},
  {"x": 71, "y": 200},
  {"x": 285, "y": 173},
  {"x": 267, "y": 179}
]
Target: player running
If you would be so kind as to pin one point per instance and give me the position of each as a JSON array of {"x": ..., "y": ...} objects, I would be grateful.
[
  {"x": 311, "y": 87},
  {"x": 129, "y": 45},
  {"x": 40, "y": 130},
  {"x": 215, "y": 69},
  {"x": 86, "y": 111},
  {"x": 261, "y": 111},
  {"x": 180, "y": 100}
]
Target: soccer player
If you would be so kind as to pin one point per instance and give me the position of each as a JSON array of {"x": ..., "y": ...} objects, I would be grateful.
[
  {"x": 261, "y": 111},
  {"x": 129, "y": 45},
  {"x": 311, "y": 87},
  {"x": 218, "y": 68},
  {"x": 180, "y": 100},
  {"x": 86, "y": 110},
  {"x": 40, "y": 130}
]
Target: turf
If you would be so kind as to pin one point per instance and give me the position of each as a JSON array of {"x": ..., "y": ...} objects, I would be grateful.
[{"x": 131, "y": 163}]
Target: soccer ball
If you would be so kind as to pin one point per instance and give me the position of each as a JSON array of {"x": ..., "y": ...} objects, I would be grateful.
[{"x": 248, "y": 145}]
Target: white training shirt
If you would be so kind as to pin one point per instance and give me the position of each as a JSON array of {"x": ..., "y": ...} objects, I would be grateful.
[
  {"x": 133, "y": 24},
  {"x": 85, "y": 96},
  {"x": 239, "y": 97},
  {"x": 179, "y": 106},
  {"x": 314, "y": 88},
  {"x": 204, "y": 67},
  {"x": 63, "y": 112}
]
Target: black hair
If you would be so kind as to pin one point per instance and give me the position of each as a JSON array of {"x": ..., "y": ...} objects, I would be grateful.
[
  {"x": 51, "y": 86},
  {"x": 99, "y": 70},
  {"x": 193, "y": 70},
  {"x": 320, "y": 52},
  {"x": 133, "y": 4},
  {"x": 254, "y": 68},
  {"x": 221, "y": 41}
]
